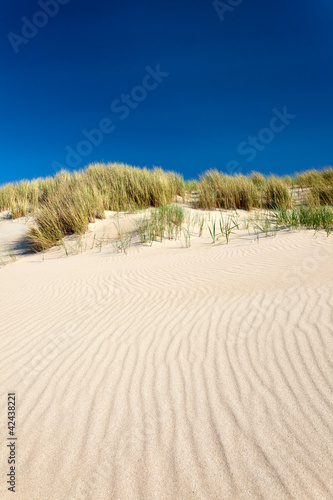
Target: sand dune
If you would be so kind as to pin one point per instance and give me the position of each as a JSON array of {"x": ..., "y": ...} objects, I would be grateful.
[{"x": 172, "y": 373}]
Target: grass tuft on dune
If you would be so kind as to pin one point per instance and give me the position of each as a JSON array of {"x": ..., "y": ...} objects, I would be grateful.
[
  {"x": 66, "y": 203},
  {"x": 217, "y": 190},
  {"x": 69, "y": 202}
]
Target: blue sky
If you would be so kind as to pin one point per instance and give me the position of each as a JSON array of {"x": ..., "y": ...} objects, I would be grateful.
[{"x": 186, "y": 85}]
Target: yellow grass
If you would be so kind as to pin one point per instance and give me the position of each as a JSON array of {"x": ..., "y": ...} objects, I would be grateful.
[{"x": 66, "y": 203}]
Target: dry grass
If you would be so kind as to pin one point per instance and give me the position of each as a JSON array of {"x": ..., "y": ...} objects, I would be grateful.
[
  {"x": 19, "y": 197},
  {"x": 66, "y": 203},
  {"x": 319, "y": 186},
  {"x": 217, "y": 190}
]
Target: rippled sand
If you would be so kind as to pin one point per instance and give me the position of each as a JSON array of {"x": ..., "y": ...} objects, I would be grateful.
[{"x": 172, "y": 373}]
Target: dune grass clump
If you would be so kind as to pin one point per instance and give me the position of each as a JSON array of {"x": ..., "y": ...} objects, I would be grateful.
[
  {"x": 165, "y": 221},
  {"x": 67, "y": 210},
  {"x": 19, "y": 197},
  {"x": 258, "y": 179},
  {"x": 129, "y": 188},
  {"x": 320, "y": 194},
  {"x": 65, "y": 203},
  {"x": 315, "y": 177},
  {"x": 170, "y": 219},
  {"x": 276, "y": 193},
  {"x": 121, "y": 187},
  {"x": 123, "y": 241},
  {"x": 227, "y": 226},
  {"x": 68, "y": 202},
  {"x": 306, "y": 217},
  {"x": 325, "y": 195},
  {"x": 318, "y": 186},
  {"x": 217, "y": 190}
]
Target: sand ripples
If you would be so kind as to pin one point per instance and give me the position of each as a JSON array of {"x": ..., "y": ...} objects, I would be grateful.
[{"x": 203, "y": 373}]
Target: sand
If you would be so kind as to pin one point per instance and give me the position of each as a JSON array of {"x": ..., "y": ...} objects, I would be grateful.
[{"x": 171, "y": 372}]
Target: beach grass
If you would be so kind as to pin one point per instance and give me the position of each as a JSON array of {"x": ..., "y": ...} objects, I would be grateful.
[
  {"x": 220, "y": 191},
  {"x": 306, "y": 217},
  {"x": 66, "y": 203},
  {"x": 160, "y": 223}
]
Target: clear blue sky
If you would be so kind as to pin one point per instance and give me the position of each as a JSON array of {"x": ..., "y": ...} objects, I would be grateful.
[{"x": 187, "y": 85}]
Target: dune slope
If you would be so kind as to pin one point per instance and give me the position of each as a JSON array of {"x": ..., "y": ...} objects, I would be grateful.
[{"x": 172, "y": 373}]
